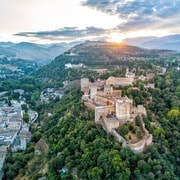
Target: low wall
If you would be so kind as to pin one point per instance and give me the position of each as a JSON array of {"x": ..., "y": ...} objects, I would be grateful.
[
  {"x": 149, "y": 140},
  {"x": 138, "y": 147},
  {"x": 111, "y": 124},
  {"x": 89, "y": 105}
]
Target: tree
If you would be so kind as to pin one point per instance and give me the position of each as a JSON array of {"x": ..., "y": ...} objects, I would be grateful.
[
  {"x": 36, "y": 136},
  {"x": 174, "y": 114},
  {"x": 150, "y": 176},
  {"x": 137, "y": 100},
  {"x": 177, "y": 92},
  {"x": 35, "y": 96},
  {"x": 24, "y": 107},
  {"x": 26, "y": 117},
  {"x": 95, "y": 173},
  {"x": 123, "y": 130},
  {"x": 117, "y": 163},
  {"x": 16, "y": 95},
  {"x": 9, "y": 102},
  {"x": 139, "y": 134},
  {"x": 159, "y": 132}
]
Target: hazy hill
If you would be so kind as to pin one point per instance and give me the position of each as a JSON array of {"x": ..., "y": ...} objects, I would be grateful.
[
  {"x": 32, "y": 51},
  {"x": 137, "y": 41},
  {"x": 6, "y": 52},
  {"x": 6, "y": 44},
  {"x": 171, "y": 42}
]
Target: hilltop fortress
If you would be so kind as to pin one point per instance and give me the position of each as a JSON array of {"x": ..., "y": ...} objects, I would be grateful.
[{"x": 112, "y": 110}]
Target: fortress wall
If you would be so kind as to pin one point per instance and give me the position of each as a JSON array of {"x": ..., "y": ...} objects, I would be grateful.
[
  {"x": 139, "y": 147},
  {"x": 112, "y": 110},
  {"x": 93, "y": 91},
  {"x": 123, "y": 110},
  {"x": 148, "y": 137},
  {"x": 111, "y": 124},
  {"x": 89, "y": 105},
  {"x": 113, "y": 93},
  {"x": 123, "y": 81},
  {"x": 102, "y": 111},
  {"x": 101, "y": 93},
  {"x": 143, "y": 127},
  {"x": 104, "y": 100},
  {"x": 84, "y": 83},
  {"x": 109, "y": 109},
  {"x": 99, "y": 113},
  {"x": 85, "y": 97},
  {"x": 116, "y": 93},
  {"x": 149, "y": 140},
  {"x": 141, "y": 110}
]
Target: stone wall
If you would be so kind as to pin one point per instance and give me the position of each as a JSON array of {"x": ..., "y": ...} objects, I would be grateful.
[
  {"x": 93, "y": 91},
  {"x": 123, "y": 110},
  {"x": 138, "y": 147},
  {"x": 84, "y": 84},
  {"x": 104, "y": 101},
  {"x": 111, "y": 123},
  {"x": 102, "y": 111},
  {"x": 89, "y": 105},
  {"x": 121, "y": 81}
]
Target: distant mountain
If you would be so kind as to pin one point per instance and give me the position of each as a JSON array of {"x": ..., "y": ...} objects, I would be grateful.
[
  {"x": 171, "y": 42},
  {"x": 25, "y": 45},
  {"x": 137, "y": 41},
  {"x": 6, "y": 44},
  {"x": 6, "y": 52},
  {"x": 32, "y": 51}
]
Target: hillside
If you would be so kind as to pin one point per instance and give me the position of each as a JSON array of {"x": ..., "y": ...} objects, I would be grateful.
[
  {"x": 5, "y": 52},
  {"x": 99, "y": 54},
  {"x": 33, "y": 51}
]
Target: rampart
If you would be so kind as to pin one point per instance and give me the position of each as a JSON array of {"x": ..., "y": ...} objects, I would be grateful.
[{"x": 112, "y": 110}]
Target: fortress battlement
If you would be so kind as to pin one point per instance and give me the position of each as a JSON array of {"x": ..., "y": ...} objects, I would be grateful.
[{"x": 112, "y": 110}]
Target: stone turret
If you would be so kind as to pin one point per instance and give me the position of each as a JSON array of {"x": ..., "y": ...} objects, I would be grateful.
[
  {"x": 93, "y": 91},
  {"x": 129, "y": 74},
  {"x": 123, "y": 108},
  {"x": 84, "y": 84}
]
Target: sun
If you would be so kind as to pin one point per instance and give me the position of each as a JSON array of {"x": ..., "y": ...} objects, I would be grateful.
[{"x": 115, "y": 37}]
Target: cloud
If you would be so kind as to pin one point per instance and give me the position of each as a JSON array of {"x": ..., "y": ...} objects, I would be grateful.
[
  {"x": 144, "y": 17},
  {"x": 66, "y": 33},
  {"x": 140, "y": 13}
]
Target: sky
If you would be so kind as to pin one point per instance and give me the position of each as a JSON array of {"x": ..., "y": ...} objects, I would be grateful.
[{"x": 48, "y": 21}]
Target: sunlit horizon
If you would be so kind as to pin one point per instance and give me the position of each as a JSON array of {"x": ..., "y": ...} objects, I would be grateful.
[
  {"x": 49, "y": 22},
  {"x": 111, "y": 37}
]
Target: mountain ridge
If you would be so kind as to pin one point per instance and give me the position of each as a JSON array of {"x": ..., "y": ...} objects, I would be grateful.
[
  {"x": 33, "y": 51},
  {"x": 171, "y": 42},
  {"x": 44, "y": 52}
]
